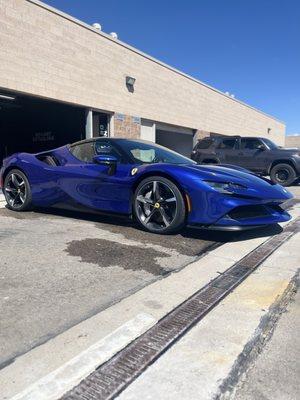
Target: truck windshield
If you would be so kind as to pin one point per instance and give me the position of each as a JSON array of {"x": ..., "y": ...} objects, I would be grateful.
[{"x": 270, "y": 144}]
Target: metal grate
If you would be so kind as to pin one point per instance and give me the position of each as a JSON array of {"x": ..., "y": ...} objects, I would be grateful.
[{"x": 115, "y": 375}]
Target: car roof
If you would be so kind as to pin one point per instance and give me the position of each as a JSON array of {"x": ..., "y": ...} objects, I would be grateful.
[
  {"x": 221, "y": 137},
  {"x": 107, "y": 138}
]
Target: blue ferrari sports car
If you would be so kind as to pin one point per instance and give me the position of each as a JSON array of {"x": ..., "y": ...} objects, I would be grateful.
[{"x": 162, "y": 190}]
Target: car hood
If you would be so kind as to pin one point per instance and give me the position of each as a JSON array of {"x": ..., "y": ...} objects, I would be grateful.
[
  {"x": 285, "y": 151},
  {"x": 221, "y": 172},
  {"x": 256, "y": 186}
]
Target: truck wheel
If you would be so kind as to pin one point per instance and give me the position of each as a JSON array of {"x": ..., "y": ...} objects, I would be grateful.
[{"x": 284, "y": 174}]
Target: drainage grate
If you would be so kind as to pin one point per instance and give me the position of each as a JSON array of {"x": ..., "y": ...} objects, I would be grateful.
[{"x": 115, "y": 375}]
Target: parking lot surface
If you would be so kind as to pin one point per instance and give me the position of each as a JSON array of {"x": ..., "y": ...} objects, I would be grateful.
[{"x": 58, "y": 268}]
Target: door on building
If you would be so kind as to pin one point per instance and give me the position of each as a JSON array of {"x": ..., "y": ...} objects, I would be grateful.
[
  {"x": 100, "y": 124},
  {"x": 147, "y": 130},
  {"x": 180, "y": 142}
]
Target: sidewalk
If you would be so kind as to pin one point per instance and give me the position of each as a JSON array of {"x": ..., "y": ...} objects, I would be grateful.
[
  {"x": 275, "y": 374},
  {"x": 197, "y": 366}
]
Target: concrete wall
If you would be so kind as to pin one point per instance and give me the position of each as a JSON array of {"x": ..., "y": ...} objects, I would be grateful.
[
  {"x": 49, "y": 54},
  {"x": 292, "y": 141}
]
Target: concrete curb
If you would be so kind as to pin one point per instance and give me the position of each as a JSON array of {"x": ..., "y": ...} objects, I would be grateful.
[{"x": 54, "y": 385}]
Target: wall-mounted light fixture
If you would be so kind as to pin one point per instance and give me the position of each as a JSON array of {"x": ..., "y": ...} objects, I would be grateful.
[{"x": 130, "y": 81}]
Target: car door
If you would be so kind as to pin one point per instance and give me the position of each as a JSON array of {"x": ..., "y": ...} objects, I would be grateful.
[
  {"x": 90, "y": 184},
  {"x": 252, "y": 154},
  {"x": 227, "y": 150}
]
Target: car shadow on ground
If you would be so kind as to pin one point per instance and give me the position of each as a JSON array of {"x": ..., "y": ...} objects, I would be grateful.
[{"x": 112, "y": 221}]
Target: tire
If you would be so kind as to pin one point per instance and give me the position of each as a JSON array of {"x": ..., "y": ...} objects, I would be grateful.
[
  {"x": 158, "y": 206},
  {"x": 284, "y": 174},
  {"x": 17, "y": 191}
]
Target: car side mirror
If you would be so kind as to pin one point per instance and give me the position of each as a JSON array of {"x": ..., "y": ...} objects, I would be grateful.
[{"x": 108, "y": 160}]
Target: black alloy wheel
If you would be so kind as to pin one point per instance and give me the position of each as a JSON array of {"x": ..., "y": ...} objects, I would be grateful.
[
  {"x": 17, "y": 191},
  {"x": 284, "y": 174},
  {"x": 159, "y": 205}
]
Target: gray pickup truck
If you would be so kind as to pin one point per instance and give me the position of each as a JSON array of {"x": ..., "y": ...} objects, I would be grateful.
[{"x": 257, "y": 154}]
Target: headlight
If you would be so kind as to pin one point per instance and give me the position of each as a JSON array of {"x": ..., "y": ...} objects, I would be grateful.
[{"x": 225, "y": 187}]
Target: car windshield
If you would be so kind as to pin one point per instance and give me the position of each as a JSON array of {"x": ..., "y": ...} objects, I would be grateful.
[
  {"x": 147, "y": 153},
  {"x": 270, "y": 144}
]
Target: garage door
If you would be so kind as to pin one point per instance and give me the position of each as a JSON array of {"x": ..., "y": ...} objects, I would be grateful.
[{"x": 177, "y": 141}]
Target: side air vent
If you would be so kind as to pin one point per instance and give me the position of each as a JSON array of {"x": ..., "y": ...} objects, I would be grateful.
[{"x": 48, "y": 159}]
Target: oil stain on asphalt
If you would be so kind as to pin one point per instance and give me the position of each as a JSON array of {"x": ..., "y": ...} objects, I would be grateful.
[{"x": 107, "y": 254}]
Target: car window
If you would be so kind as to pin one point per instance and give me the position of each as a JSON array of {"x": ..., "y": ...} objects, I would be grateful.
[
  {"x": 103, "y": 147},
  {"x": 143, "y": 152},
  {"x": 83, "y": 151},
  {"x": 250, "y": 144},
  {"x": 204, "y": 144},
  {"x": 270, "y": 144},
  {"x": 228, "y": 144}
]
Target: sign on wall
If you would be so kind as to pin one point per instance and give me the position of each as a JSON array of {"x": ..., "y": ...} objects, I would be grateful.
[{"x": 43, "y": 137}]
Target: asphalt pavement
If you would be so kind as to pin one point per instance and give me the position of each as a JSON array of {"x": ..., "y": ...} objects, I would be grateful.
[{"x": 59, "y": 268}]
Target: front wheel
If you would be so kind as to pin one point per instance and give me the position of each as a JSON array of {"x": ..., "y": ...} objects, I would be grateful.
[
  {"x": 158, "y": 205},
  {"x": 284, "y": 174},
  {"x": 17, "y": 191}
]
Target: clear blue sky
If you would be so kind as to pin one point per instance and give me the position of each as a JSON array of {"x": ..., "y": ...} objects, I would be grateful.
[{"x": 248, "y": 47}]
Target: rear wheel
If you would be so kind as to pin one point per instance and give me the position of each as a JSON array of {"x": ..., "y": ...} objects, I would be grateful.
[
  {"x": 17, "y": 191},
  {"x": 159, "y": 205},
  {"x": 284, "y": 174}
]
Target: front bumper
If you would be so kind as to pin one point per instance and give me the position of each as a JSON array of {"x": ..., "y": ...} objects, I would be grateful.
[
  {"x": 226, "y": 228},
  {"x": 253, "y": 216},
  {"x": 247, "y": 217},
  {"x": 233, "y": 213}
]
